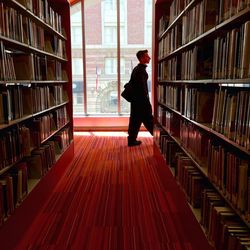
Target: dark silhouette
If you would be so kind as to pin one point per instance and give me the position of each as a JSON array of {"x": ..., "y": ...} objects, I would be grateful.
[{"x": 141, "y": 109}]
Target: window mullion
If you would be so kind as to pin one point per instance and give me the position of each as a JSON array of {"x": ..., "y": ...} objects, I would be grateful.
[
  {"x": 118, "y": 58},
  {"x": 84, "y": 59}
]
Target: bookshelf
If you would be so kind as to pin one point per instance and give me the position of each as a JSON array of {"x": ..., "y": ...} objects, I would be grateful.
[
  {"x": 36, "y": 125},
  {"x": 202, "y": 109}
]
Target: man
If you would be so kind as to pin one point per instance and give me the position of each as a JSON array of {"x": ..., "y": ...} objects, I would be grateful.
[{"x": 141, "y": 109}]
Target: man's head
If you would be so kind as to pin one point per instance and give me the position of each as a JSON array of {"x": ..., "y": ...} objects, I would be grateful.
[{"x": 143, "y": 56}]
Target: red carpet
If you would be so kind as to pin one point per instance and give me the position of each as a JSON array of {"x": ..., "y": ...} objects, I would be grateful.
[{"x": 111, "y": 197}]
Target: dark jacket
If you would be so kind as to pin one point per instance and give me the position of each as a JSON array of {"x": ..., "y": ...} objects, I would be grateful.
[{"x": 139, "y": 79}]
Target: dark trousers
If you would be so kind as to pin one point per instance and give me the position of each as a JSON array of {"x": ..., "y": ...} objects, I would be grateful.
[{"x": 140, "y": 114}]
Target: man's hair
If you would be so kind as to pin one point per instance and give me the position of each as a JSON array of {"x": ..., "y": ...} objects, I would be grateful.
[{"x": 141, "y": 53}]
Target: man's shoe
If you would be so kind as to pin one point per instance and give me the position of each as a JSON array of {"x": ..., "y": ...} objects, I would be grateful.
[{"x": 134, "y": 143}]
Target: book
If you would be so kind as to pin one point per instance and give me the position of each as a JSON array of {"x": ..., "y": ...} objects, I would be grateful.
[
  {"x": 22, "y": 169},
  {"x": 35, "y": 167},
  {"x": 210, "y": 14},
  {"x": 204, "y": 106},
  {"x": 243, "y": 186},
  {"x": 24, "y": 66}
]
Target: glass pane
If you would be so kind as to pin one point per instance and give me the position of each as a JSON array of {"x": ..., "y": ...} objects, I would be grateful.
[
  {"x": 77, "y": 62},
  {"x": 101, "y": 51},
  {"x": 101, "y": 56},
  {"x": 135, "y": 34}
]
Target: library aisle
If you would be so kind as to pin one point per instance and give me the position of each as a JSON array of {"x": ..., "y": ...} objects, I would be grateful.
[{"x": 113, "y": 197}]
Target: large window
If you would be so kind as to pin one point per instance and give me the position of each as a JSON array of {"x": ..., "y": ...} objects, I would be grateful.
[{"x": 105, "y": 54}]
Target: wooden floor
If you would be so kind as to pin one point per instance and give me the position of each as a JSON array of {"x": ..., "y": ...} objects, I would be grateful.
[{"x": 115, "y": 197}]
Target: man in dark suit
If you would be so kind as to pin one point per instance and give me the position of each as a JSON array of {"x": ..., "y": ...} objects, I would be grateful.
[{"x": 141, "y": 109}]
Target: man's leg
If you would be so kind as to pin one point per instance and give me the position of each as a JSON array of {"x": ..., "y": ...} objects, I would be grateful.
[{"x": 133, "y": 128}]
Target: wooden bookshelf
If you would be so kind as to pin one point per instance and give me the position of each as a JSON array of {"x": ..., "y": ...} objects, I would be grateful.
[
  {"x": 36, "y": 124},
  {"x": 202, "y": 107}
]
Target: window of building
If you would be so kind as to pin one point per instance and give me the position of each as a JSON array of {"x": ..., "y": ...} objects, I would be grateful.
[
  {"x": 111, "y": 66},
  {"x": 77, "y": 66},
  {"x": 76, "y": 37},
  {"x": 110, "y": 5},
  {"x": 110, "y": 35}
]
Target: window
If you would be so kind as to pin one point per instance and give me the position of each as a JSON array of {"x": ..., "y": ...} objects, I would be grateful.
[
  {"x": 77, "y": 66},
  {"x": 148, "y": 10},
  {"x": 76, "y": 36},
  {"x": 110, "y": 35},
  {"x": 110, "y": 5},
  {"x": 97, "y": 73},
  {"x": 123, "y": 39},
  {"x": 148, "y": 35},
  {"x": 148, "y": 22},
  {"x": 111, "y": 66}
]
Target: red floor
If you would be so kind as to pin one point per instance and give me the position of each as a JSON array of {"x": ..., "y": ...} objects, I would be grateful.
[{"x": 109, "y": 197}]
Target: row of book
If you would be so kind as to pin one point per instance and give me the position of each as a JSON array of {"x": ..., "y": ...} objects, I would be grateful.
[
  {"x": 223, "y": 227},
  {"x": 168, "y": 120},
  {"x": 206, "y": 15},
  {"x": 226, "y": 109},
  {"x": 42, "y": 127},
  {"x": 187, "y": 175},
  {"x": 14, "y": 183},
  {"x": 44, "y": 97},
  {"x": 184, "y": 170},
  {"x": 16, "y": 26},
  {"x": 168, "y": 147},
  {"x": 228, "y": 171},
  {"x": 229, "y": 8},
  {"x": 190, "y": 179},
  {"x": 163, "y": 24},
  {"x": 171, "y": 41},
  {"x": 193, "y": 64},
  {"x": 15, "y": 142},
  {"x": 231, "y": 115},
  {"x": 169, "y": 70},
  {"x": 197, "y": 62},
  {"x": 196, "y": 142},
  {"x": 45, "y": 12},
  {"x": 226, "y": 58},
  {"x": 203, "y": 16},
  {"x": 193, "y": 23},
  {"x": 176, "y": 7},
  {"x": 231, "y": 53},
  {"x": 231, "y": 174},
  {"x": 193, "y": 102},
  {"x": 198, "y": 20},
  {"x": 30, "y": 67},
  {"x": 198, "y": 104},
  {"x": 170, "y": 95},
  {"x": 13, "y": 189},
  {"x": 17, "y": 101}
]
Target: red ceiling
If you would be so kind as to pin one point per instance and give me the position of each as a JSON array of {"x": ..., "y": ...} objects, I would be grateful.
[{"x": 73, "y": 1}]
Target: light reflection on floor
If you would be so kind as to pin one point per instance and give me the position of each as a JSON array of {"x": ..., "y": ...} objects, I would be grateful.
[{"x": 110, "y": 133}]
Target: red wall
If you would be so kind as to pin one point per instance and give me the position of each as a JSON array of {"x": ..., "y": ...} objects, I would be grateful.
[{"x": 93, "y": 24}]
